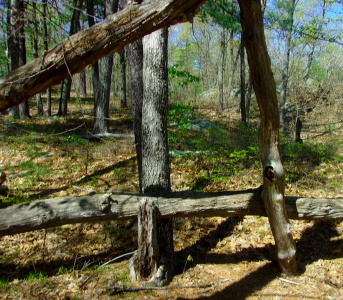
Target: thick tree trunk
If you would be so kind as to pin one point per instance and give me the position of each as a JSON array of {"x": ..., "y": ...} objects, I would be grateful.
[
  {"x": 88, "y": 46},
  {"x": 100, "y": 207},
  {"x": 156, "y": 267},
  {"x": 273, "y": 173},
  {"x": 17, "y": 49}
]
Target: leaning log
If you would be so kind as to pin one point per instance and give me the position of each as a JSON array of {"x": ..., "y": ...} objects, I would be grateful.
[
  {"x": 85, "y": 47},
  {"x": 111, "y": 206}
]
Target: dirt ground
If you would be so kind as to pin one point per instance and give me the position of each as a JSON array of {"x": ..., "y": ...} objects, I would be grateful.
[{"x": 217, "y": 258}]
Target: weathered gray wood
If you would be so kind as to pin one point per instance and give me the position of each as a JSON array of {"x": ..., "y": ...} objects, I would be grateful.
[
  {"x": 145, "y": 260},
  {"x": 273, "y": 172},
  {"x": 99, "y": 207},
  {"x": 73, "y": 55}
]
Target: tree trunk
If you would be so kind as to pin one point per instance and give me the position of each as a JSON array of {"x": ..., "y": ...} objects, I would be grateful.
[
  {"x": 95, "y": 65},
  {"x": 83, "y": 84},
  {"x": 101, "y": 207},
  {"x": 46, "y": 48},
  {"x": 156, "y": 269},
  {"x": 102, "y": 99},
  {"x": 290, "y": 7},
  {"x": 221, "y": 69},
  {"x": 40, "y": 111},
  {"x": 242, "y": 102},
  {"x": 67, "y": 82},
  {"x": 123, "y": 99},
  {"x": 107, "y": 37},
  {"x": 134, "y": 54},
  {"x": 17, "y": 49},
  {"x": 273, "y": 173}
]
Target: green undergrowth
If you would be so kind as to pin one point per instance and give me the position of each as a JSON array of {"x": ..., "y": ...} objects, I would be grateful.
[{"x": 204, "y": 156}]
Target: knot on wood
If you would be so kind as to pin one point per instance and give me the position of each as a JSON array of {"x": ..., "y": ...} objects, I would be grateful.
[
  {"x": 106, "y": 203},
  {"x": 269, "y": 173}
]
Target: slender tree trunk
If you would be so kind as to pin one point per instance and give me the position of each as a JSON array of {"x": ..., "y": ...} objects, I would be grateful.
[
  {"x": 157, "y": 265},
  {"x": 95, "y": 66},
  {"x": 221, "y": 69},
  {"x": 290, "y": 7},
  {"x": 134, "y": 54},
  {"x": 248, "y": 98},
  {"x": 123, "y": 99},
  {"x": 46, "y": 48},
  {"x": 242, "y": 102},
  {"x": 134, "y": 57},
  {"x": 39, "y": 100},
  {"x": 102, "y": 100},
  {"x": 83, "y": 84},
  {"x": 67, "y": 82},
  {"x": 233, "y": 64},
  {"x": 273, "y": 173}
]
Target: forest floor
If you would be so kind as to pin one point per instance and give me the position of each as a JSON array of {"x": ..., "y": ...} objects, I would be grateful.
[{"x": 217, "y": 258}]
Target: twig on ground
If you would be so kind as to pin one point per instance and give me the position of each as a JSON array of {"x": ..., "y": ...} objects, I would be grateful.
[{"x": 122, "y": 289}]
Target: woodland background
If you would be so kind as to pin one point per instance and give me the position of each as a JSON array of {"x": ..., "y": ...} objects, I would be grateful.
[{"x": 213, "y": 121}]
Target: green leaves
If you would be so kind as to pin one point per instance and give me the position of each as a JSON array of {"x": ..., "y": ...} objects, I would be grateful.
[
  {"x": 182, "y": 77},
  {"x": 221, "y": 12}
]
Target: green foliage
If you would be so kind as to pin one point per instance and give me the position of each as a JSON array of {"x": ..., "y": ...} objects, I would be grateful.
[
  {"x": 313, "y": 153},
  {"x": 74, "y": 140},
  {"x": 179, "y": 114},
  {"x": 182, "y": 77},
  {"x": 33, "y": 276},
  {"x": 221, "y": 12},
  {"x": 318, "y": 71}
]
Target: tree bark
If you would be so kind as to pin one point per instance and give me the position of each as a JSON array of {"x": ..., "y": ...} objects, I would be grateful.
[
  {"x": 17, "y": 49},
  {"x": 221, "y": 69},
  {"x": 102, "y": 99},
  {"x": 88, "y": 46},
  {"x": 123, "y": 98},
  {"x": 156, "y": 270},
  {"x": 40, "y": 111},
  {"x": 242, "y": 75},
  {"x": 134, "y": 54},
  {"x": 67, "y": 82},
  {"x": 46, "y": 48},
  {"x": 273, "y": 173},
  {"x": 100, "y": 207}
]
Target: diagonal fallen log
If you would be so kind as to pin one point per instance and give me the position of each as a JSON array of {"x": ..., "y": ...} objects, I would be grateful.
[
  {"x": 111, "y": 206},
  {"x": 137, "y": 19}
]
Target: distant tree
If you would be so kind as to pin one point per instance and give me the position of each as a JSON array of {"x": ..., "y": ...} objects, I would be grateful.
[
  {"x": 17, "y": 48},
  {"x": 102, "y": 94},
  {"x": 225, "y": 14},
  {"x": 67, "y": 82},
  {"x": 46, "y": 48},
  {"x": 123, "y": 93},
  {"x": 35, "y": 53}
]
